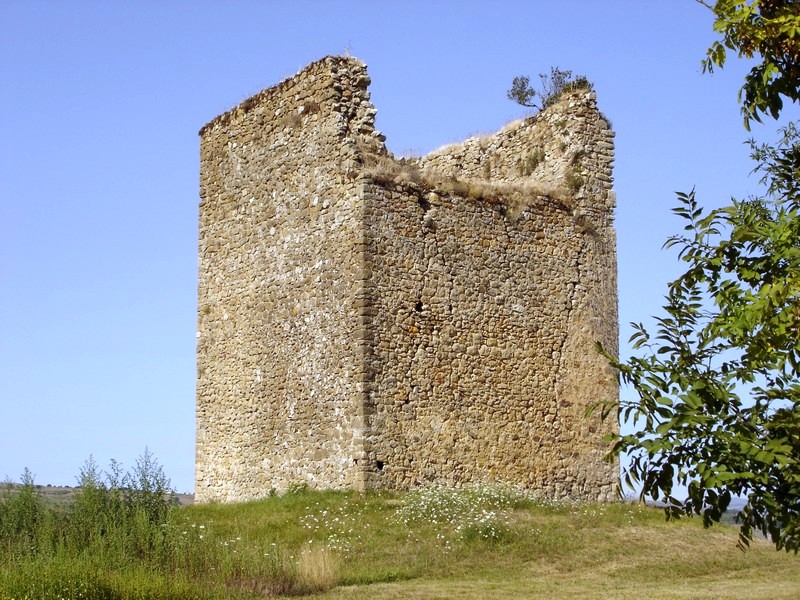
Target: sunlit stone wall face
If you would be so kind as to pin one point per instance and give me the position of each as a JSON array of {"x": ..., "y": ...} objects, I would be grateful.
[{"x": 366, "y": 323}]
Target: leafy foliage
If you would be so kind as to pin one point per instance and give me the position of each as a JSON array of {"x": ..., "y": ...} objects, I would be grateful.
[
  {"x": 718, "y": 385},
  {"x": 769, "y": 29},
  {"x": 552, "y": 86},
  {"x": 21, "y": 513}
]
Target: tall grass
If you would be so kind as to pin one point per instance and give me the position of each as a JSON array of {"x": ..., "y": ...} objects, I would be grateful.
[{"x": 123, "y": 536}]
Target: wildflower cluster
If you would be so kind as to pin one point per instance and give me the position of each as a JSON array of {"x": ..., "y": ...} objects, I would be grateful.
[
  {"x": 338, "y": 528},
  {"x": 467, "y": 514}
]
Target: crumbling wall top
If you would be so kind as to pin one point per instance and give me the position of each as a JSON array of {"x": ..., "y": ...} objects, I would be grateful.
[{"x": 328, "y": 67}]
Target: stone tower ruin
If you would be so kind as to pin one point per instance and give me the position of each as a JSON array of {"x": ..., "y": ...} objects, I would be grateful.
[{"x": 371, "y": 323}]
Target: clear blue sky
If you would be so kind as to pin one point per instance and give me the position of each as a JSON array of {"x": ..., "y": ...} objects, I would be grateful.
[{"x": 100, "y": 104}]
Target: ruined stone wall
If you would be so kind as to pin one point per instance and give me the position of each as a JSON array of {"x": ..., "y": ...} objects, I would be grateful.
[
  {"x": 486, "y": 311},
  {"x": 567, "y": 149},
  {"x": 281, "y": 257},
  {"x": 477, "y": 319},
  {"x": 367, "y": 323}
]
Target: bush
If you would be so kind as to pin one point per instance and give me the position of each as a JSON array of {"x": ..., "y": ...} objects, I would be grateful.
[
  {"x": 122, "y": 513},
  {"x": 553, "y": 85}
]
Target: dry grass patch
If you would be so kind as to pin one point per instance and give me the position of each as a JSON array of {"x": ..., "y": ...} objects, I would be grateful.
[
  {"x": 317, "y": 569},
  {"x": 380, "y": 166},
  {"x": 513, "y": 197}
]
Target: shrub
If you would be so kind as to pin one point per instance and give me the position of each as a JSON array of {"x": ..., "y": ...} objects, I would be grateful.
[
  {"x": 553, "y": 85},
  {"x": 122, "y": 512},
  {"x": 21, "y": 510}
]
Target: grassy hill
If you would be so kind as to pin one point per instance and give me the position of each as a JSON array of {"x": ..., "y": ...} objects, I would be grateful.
[{"x": 434, "y": 543}]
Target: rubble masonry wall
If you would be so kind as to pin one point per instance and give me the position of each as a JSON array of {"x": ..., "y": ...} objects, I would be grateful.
[{"x": 366, "y": 323}]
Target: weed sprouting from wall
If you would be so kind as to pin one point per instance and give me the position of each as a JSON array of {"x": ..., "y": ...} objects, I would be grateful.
[
  {"x": 528, "y": 164},
  {"x": 573, "y": 180},
  {"x": 552, "y": 86}
]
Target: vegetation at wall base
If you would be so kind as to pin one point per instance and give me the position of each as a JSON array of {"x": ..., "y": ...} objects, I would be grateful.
[
  {"x": 436, "y": 542},
  {"x": 718, "y": 383}
]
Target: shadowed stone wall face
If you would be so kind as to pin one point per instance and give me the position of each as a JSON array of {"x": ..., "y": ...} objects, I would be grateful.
[{"x": 363, "y": 329}]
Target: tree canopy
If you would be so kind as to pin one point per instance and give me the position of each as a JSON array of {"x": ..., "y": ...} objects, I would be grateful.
[
  {"x": 768, "y": 30},
  {"x": 717, "y": 383}
]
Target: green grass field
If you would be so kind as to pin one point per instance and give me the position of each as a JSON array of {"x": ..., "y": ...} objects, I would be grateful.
[{"x": 115, "y": 543}]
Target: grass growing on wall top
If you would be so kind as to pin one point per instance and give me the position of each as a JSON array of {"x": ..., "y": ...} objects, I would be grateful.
[{"x": 388, "y": 171}]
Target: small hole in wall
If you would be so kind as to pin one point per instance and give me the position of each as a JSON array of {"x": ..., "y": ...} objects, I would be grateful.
[
  {"x": 355, "y": 461},
  {"x": 379, "y": 464},
  {"x": 423, "y": 203},
  {"x": 418, "y": 306}
]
